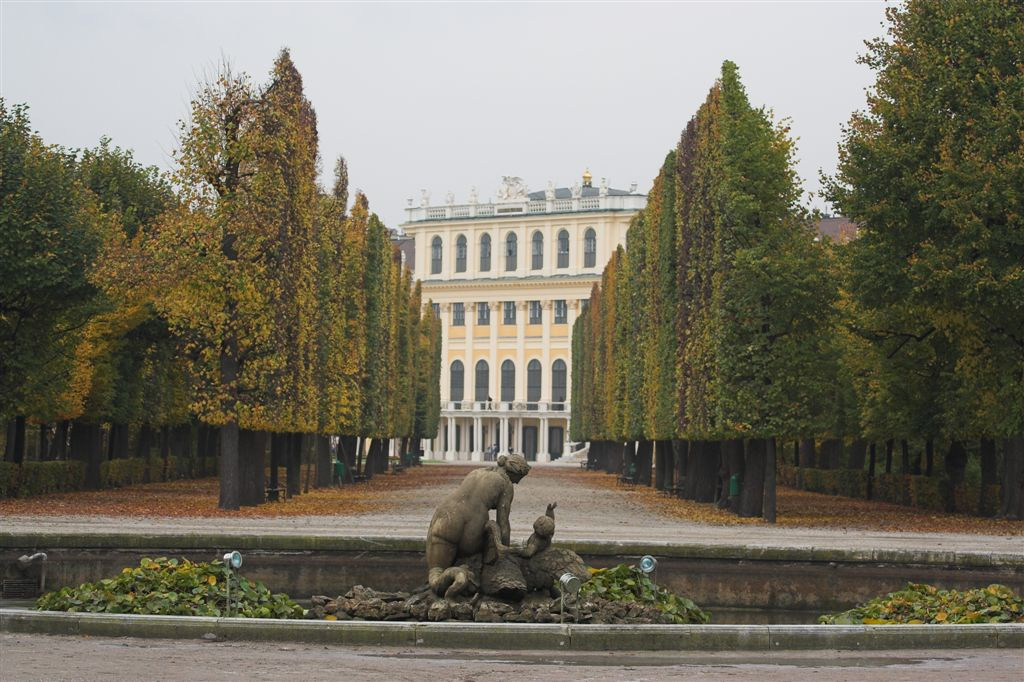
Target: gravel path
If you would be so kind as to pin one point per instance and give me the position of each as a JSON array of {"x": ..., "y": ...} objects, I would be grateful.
[
  {"x": 584, "y": 513},
  {"x": 43, "y": 657}
]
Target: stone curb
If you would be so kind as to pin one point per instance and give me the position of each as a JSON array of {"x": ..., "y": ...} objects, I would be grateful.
[
  {"x": 243, "y": 542},
  {"x": 526, "y": 636}
]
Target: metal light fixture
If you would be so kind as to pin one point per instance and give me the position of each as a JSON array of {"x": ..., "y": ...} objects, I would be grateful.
[
  {"x": 648, "y": 564},
  {"x": 232, "y": 562},
  {"x": 569, "y": 584}
]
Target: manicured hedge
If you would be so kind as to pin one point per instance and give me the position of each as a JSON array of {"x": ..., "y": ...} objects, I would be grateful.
[
  {"x": 41, "y": 478},
  {"x": 923, "y": 492},
  {"x": 846, "y": 482},
  {"x": 117, "y": 473}
]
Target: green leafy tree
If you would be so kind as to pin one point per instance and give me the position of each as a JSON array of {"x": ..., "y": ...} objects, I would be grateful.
[{"x": 932, "y": 173}]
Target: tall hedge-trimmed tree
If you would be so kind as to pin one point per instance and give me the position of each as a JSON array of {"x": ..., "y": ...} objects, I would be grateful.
[{"x": 932, "y": 173}]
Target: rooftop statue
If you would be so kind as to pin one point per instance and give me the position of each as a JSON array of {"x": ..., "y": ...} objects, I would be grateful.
[{"x": 512, "y": 189}]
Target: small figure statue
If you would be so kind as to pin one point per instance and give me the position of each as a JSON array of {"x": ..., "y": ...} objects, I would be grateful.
[
  {"x": 549, "y": 193},
  {"x": 543, "y": 531},
  {"x": 472, "y": 195},
  {"x": 450, "y": 198},
  {"x": 577, "y": 191},
  {"x": 424, "y": 198}
]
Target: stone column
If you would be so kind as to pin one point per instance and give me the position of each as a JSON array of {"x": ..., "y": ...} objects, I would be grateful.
[
  {"x": 477, "y": 453},
  {"x": 547, "y": 310},
  {"x": 449, "y": 451},
  {"x": 542, "y": 440},
  {"x": 495, "y": 376},
  {"x": 522, "y": 317},
  {"x": 446, "y": 375},
  {"x": 504, "y": 436}
]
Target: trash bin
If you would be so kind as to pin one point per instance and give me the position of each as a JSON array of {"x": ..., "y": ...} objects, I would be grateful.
[
  {"x": 734, "y": 485},
  {"x": 339, "y": 471}
]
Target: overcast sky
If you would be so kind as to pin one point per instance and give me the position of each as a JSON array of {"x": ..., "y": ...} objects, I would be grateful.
[{"x": 445, "y": 96}]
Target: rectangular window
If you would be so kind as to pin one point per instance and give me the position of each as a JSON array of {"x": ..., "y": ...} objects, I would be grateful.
[
  {"x": 510, "y": 312},
  {"x": 561, "y": 312},
  {"x": 458, "y": 314},
  {"x": 534, "y": 312},
  {"x": 437, "y": 310},
  {"x": 483, "y": 313}
]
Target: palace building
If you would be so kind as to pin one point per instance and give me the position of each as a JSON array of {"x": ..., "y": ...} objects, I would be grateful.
[{"x": 507, "y": 278}]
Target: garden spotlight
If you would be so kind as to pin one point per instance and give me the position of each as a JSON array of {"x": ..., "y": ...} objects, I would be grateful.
[
  {"x": 568, "y": 584},
  {"x": 232, "y": 561},
  {"x": 648, "y": 563}
]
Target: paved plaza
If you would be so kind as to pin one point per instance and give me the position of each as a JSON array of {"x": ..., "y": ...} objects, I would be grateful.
[{"x": 585, "y": 513}]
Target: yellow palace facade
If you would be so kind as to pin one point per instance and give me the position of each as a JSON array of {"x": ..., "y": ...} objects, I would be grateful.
[{"x": 507, "y": 278}]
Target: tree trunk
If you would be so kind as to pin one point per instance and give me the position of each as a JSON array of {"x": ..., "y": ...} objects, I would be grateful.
[
  {"x": 360, "y": 447},
  {"x": 1013, "y": 478},
  {"x": 929, "y": 450},
  {"x": 86, "y": 446},
  {"x": 679, "y": 452},
  {"x": 796, "y": 453},
  {"x": 831, "y": 453},
  {"x": 644, "y": 463},
  {"x": 956, "y": 470},
  {"x": 9, "y": 441},
  {"x": 629, "y": 466},
  {"x": 245, "y": 469},
  {"x": 323, "y": 461},
  {"x": 143, "y": 447},
  {"x": 752, "y": 495},
  {"x": 888, "y": 455},
  {"x": 59, "y": 445},
  {"x": 347, "y": 450},
  {"x": 19, "y": 440},
  {"x": 857, "y": 451},
  {"x": 165, "y": 451},
  {"x": 278, "y": 451},
  {"x": 666, "y": 460},
  {"x": 904, "y": 458},
  {"x": 732, "y": 465},
  {"x": 44, "y": 441},
  {"x": 692, "y": 468},
  {"x": 769, "y": 483},
  {"x": 230, "y": 488},
  {"x": 120, "y": 441},
  {"x": 708, "y": 457},
  {"x": 989, "y": 477},
  {"x": 808, "y": 456},
  {"x": 293, "y": 464},
  {"x": 871, "y": 471}
]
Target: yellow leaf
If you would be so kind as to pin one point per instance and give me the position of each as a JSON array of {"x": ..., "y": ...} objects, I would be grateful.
[
  {"x": 211, "y": 579},
  {"x": 940, "y": 617},
  {"x": 915, "y": 621},
  {"x": 875, "y": 621},
  {"x": 330, "y": 617}
]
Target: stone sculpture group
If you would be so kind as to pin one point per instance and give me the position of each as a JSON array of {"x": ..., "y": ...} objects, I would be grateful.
[{"x": 468, "y": 553}]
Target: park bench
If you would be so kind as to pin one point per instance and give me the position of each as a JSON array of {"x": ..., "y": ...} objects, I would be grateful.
[
  {"x": 629, "y": 477},
  {"x": 397, "y": 465},
  {"x": 279, "y": 494}
]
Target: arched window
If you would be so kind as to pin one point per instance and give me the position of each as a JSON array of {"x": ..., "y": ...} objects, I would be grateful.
[
  {"x": 558, "y": 381},
  {"x": 460, "y": 253},
  {"x": 508, "y": 381},
  {"x": 537, "y": 251},
  {"x": 435, "y": 256},
  {"x": 533, "y": 380},
  {"x": 563, "y": 249},
  {"x": 456, "y": 391},
  {"x": 485, "y": 253},
  {"x": 510, "y": 251},
  {"x": 482, "y": 381},
  {"x": 589, "y": 248}
]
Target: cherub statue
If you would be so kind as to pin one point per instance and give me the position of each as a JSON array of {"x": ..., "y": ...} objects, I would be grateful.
[{"x": 543, "y": 530}]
